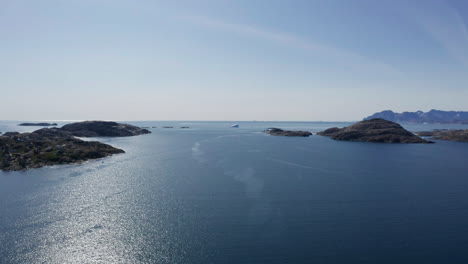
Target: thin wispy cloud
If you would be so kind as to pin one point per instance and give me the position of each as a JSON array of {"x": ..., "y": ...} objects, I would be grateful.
[
  {"x": 446, "y": 27},
  {"x": 342, "y": 56}
]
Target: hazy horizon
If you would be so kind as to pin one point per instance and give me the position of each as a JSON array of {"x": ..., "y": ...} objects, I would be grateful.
[
  {"x": 231, "y": 60},
  {"x": 168, "y": 120},
  {"x": 210, "y": 120}
]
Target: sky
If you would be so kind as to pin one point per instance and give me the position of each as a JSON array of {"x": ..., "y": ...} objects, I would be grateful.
[{"x": 272, "y": 60}]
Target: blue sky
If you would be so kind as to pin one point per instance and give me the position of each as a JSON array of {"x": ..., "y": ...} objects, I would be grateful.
[{"x": 325, "y": 60}]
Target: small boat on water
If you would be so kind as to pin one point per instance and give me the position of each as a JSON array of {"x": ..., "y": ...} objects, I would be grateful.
[{"x": 235, "y": 125}]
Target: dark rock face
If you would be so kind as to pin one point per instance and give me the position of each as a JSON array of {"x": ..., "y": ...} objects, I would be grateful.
[
  {"x": 38, "y": 124},
  {"x": 52, "y": 133},
  {"x": 10, "y": 134},
  {"x": 451, "y": 135},
  {"x": 374, "y": 130},
  {"x": 279, "y": 132},
  {"x": 103, "y": 129},
  {"x": 330, "y": 132},
  {"x": 433, "y": 116},
  {"x": 46, "y": 147}
]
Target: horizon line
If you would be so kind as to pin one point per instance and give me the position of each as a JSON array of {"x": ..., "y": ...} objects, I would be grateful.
[{"x": 122, "y": 120}]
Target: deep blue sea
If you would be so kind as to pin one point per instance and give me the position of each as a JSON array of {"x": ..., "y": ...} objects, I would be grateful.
[{"x": 216, "y": 194}]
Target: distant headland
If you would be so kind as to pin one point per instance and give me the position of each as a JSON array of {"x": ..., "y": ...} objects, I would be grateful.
[{"x": 433, "y": 116}]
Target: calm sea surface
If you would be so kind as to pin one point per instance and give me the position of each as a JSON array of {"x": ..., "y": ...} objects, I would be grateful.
[{"x": 215, "y": 194}]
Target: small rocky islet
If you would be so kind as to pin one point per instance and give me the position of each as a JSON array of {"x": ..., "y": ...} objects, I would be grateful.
[
  {"x": 376, "y": 130},
  {"x": 286, "y": 133},
  {"x": 459, "y": 135},
  {"x": 38, "y": 124},
  {"x": 53, "y": 146}
]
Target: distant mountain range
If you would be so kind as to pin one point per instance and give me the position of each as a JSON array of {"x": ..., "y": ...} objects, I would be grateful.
[{"x": 433, "y": 116}]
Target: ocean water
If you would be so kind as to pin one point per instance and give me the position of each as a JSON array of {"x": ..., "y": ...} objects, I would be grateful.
[{"x": 215, "y": 194}]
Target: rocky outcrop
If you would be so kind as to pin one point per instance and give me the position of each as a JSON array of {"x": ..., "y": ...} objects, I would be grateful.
[
  {"x": 10, "y": 134},
  {"x": 103, "y": 129},
  {"x": 46, "y": 147},
  {"x": 433, "y": 116},
  {"x": 51, "y": 146},
  {"x": 279, "y": 132},
  {"x": 374, "y": 130},
  {"x": 444, "y": 134},
  {"x": 37, "y": 124},
  {"x": 330, "y": 132}
]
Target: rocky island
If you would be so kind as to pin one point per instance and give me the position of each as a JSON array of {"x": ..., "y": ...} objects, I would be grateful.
[
  {"x": 37, "y": 124},
  {"x": 52, "y": 146},
  {"x": 374, "y": 130},
  {"x": 445, "y": 134},
  {"x": 103, "y": 129},
  {"x": 287, "y": 133},
  {"x": 46, "y": 147}
]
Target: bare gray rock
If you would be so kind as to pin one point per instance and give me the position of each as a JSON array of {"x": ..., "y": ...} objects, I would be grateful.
[{"x": 375, "y": 130}]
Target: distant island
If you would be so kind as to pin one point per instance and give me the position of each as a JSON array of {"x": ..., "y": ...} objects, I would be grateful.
[
  {"x": 37, "y": 124},
  {"x": 445, "y": 134},
  {"x": 52, "y": 146},
  {"x": 287, "y": 133},
  {"x": 374, "y": 130},
  {"x": 103, "y": 129},
  {"x": 433, "y": 116}
]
